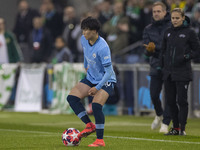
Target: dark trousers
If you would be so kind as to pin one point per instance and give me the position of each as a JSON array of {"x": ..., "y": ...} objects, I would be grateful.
[
  {"x": 176, "y": 96},
  {"x": 155, "y": 89}
]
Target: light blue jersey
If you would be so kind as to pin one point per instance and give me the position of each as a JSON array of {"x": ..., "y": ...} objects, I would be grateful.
[{"x": 96, "y": 58}]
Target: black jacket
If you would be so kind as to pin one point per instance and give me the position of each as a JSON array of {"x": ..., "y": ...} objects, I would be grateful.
[
  {"x": 44, "y": 50},
  {"x": 178, "y": 42},
  {"x": 154, "y": 32},
  {"x": 23, "y": 25}
]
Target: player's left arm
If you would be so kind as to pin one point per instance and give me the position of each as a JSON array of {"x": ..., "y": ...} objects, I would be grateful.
[
  {"x": 107, "y": 75},
  {"x": 105, "y": 59}
]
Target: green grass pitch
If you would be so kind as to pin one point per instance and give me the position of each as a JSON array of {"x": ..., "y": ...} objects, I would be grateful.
[{"x": 27, "y": 131}]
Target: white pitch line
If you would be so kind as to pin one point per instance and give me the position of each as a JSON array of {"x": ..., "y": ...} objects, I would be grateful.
[
  {"x": 114, "y": 137},
  {"x": 10, "y": 130},
  {"x": 107, "y": 124},
  {"x": 127, "y": 124},
  {"x": 54, "y": 124},
  {"x": 152, "y": 140}
]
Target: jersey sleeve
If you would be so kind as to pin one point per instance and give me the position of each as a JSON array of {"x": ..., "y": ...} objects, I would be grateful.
[
  {"x": 105, "y": 56},
  {"x": 107, "y": 75}
]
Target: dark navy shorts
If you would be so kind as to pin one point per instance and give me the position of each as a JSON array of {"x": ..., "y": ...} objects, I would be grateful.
[{"x": 108, "y": 86}]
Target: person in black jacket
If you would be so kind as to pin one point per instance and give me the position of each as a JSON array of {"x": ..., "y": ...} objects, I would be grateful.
[
  {"x": 40, "y": 42},
  {"x": 180, "y": 45},
  {"x": 152, "y": 39}
]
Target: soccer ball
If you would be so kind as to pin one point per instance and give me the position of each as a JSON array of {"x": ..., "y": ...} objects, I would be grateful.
[{"x": 70, "y": 137}]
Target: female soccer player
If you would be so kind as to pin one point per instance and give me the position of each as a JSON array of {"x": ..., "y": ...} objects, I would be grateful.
[
  {"x": 180, "y": 45},
  {"x": 99, "y": 81}
]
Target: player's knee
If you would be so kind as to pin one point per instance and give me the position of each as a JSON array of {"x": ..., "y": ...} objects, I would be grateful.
[{"x": 72, "y": 99}]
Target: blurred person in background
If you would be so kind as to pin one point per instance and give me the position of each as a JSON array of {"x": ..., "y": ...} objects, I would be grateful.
[
  {"x": 117, "y": 29},
  {"x": 178, "y": 4},
  {"x": 10, "y": 51},
  {"x": 133, "y": 9},
  {"x": 195, "y": 19},
  {"x": 146, "y": 13},
  {"x": 188, "y": 9},
  {"x": 180, "y": 45},
  {"x": 40, "y": 42},
  {"x": 70, "y": 22},
  {"x": 195, "y": 23},
  {"x": 105, "y": 11},
  {"x": 61, "y": 53},
  {"x": 23, "y": 26},
  {"x": 152, "y": 39},
  {"x": 168, "y": 4},
  {"x": 52, "y": 18},
  {"x": 77, "y": 34}
]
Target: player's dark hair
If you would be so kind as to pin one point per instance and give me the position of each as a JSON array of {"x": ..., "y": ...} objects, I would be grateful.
[{"x": 91, "y": 24}]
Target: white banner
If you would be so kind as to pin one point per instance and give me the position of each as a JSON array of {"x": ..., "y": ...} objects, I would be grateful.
[
  {"x": 7, "y": 80},
  {"x": 30, "y": 88}
]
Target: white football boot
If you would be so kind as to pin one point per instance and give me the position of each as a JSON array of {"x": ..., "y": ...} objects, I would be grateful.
[
  {"x": 156, "y": 122},
  {"x": 164, "y": 128}
]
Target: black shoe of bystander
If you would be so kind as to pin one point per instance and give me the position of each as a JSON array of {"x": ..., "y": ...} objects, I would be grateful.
[{"x": 173, "y": 131}]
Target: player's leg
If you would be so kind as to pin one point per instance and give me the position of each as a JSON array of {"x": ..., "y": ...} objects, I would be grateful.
[
  {"x": 166, "y": 118},
  {"x": 155, "y": 89},
  {"x": 170, "y": 95},
  {"x": 77, "y": 93},
  {"x": 74, "y": 99},
  {"x": 98, "y": 101},
  {"x": 182, "y": 90}
]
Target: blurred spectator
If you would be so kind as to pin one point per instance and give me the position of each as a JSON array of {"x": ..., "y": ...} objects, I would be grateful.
[
  {"x": 62, "y": 52},
  {"x": 178, "y": 4},
  {"x": 23, "y": 22},
  {"x": 195, "y": 23},
  {"x": 53, "y": 19},
  {"x": 105, "y": 12},
  {"x": 10, "y": 51},
  {"x": 168, "y": 4},
  {"x": 195, "y": 19},
  {"x": 40, "y": 42},
  {"x": 117, "y": 29},
  {"x": 76, "y": 34},
  {"x": 23, "y": 26},
  {"x": 146, "y": 13},
  {"x": 133, "y": 11},
  {"x": 70, "y": 21},
  {"x": 95, "y": 10},
  {"x": 189, "y": 7}
]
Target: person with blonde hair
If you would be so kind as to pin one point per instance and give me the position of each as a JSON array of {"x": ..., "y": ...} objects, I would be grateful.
[{"x": 152, "y": 39}]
